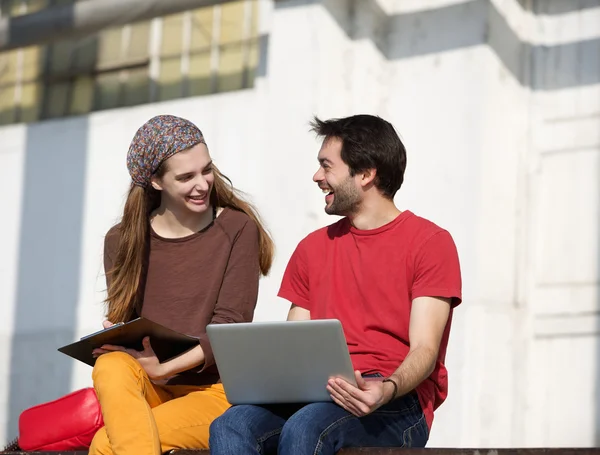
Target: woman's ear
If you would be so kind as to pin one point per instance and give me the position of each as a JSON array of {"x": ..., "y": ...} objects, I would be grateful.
[{"x": 156, "y": 184}]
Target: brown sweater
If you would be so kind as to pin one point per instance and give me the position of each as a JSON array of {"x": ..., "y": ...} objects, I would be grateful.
[{"x": 207, "y": 277}]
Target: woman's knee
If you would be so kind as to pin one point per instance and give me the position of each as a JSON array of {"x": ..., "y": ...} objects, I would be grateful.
[
  {"x": 100, "y": 443},
  {"x": 115, "y": 365}
]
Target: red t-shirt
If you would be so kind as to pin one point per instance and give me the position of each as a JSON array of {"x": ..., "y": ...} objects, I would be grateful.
[{"x": 368, "y": 279}]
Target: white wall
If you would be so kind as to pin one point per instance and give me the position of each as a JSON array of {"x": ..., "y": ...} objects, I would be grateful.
[
  {"x": 562, "y": 290},
  {"x": 499, "y": 110}
]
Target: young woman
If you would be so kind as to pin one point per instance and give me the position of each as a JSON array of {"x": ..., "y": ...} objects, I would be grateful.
[{"x": 188, "y": 252}]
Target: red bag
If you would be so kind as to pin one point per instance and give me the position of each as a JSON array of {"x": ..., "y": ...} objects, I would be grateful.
[{"x": 68, "y": 423}]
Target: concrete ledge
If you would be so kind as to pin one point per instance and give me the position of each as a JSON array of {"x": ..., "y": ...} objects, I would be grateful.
[
  {"x": 397, "y": 451},
  {"x": 443, "y": 451}
]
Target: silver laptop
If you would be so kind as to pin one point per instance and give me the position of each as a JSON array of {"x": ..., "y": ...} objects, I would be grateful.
[{"x": 280, "y": 362}]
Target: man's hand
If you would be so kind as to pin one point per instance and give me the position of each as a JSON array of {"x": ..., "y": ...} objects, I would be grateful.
[
  {"x": 361, "y": 400},
  {"x": 147, "y": 358}
]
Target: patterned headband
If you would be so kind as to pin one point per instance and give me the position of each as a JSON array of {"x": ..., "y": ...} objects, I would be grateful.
[{"x": 158, "y": 139}]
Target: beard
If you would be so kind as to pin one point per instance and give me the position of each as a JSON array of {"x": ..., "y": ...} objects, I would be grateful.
[{"x": 346, "y": 199}]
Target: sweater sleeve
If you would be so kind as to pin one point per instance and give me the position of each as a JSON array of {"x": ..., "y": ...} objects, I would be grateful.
[{"x": 239, "y": 291}]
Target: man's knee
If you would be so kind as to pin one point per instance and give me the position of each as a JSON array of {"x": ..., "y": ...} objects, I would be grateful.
[
  {"x": 313, "y": 422},
  {"x": 235, "y": 419},
  {"x": 100, "y": 443},
  {"x": 229, "y": 430},
  {"x": 300, "y": 430},
  {"x": 221, "y": 425}
]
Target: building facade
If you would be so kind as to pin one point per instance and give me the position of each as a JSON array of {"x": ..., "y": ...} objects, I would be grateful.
[{"x": 497, "y": 101}]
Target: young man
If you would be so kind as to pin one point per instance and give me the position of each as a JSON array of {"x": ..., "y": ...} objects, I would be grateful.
[{"x": 391, "y": 278}]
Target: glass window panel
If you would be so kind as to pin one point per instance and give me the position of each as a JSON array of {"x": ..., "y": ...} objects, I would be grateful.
[
  {"x": 237, "y": 66},
  {"x": 5, "y": 7},
  {"x": 82, "y": 96},
  {"x": 107, "y": 91},
  {"x": 199, "y": 82},
  {"x": 8, "y": 67},
  {"x": 231, "y": 67},
  {"x": 60, "y": 57},
  {"x": 140, "y": 37},
  {"x": 202, "y": 28},
  {"x": 253, "y": 48},
  {"x": 13, "y": 8},
  {"x": 56, "y": 100},
  {"x": 254, "y": 21},
  {"x": 109, "y": 47},
  {"x": 232, "y": 22},
  {"x": 36, "y": 5},
  {"x": 31, "y": 102},
  {"x": 251, "y": 69},
  {"x": 86, "y": 54},
  {"x": 33, "y": 61},
  {"x": 172, "y": 33},
  {"x": 137, "y": 88},
  {"x": 7, "y": 103},
  {"x": 169, "y": 80}
]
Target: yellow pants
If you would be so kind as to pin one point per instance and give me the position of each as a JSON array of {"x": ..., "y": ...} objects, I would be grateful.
[{"x": 142, "y": 418}]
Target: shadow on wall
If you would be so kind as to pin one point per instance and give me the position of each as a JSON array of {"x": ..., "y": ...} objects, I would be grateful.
[
  {"x": 597, "y": 438},
  {"x": 49, "y": 264},
  {"x": 468, "y": 24},
  {"x": 562, "y": 6}
]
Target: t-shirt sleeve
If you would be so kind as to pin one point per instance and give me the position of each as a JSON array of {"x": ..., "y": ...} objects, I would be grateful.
[
  {"x": 239, "y": 289},
  {"x": 295, "y": 284},
  {"x": 437, "y": 269}
]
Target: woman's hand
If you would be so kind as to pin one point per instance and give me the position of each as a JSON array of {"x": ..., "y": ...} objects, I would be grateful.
[
  {"x": 107, "y": 324},
  {"x": 146, "y": 358}
]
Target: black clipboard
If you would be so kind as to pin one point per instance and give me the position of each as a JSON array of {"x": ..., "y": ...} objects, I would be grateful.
[{"x": 165, "y": 342}]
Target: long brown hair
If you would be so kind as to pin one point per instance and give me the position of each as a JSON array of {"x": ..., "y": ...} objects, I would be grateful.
[{"x": 128, "y": 269}]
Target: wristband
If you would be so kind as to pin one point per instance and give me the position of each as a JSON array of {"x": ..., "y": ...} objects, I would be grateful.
[{"x": 395, "y": 388}]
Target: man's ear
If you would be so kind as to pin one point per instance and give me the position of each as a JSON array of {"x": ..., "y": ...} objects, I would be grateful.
[{"x": 367, "y": 177}]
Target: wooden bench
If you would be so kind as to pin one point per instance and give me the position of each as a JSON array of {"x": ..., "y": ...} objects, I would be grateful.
[{"x": 398, "y": 451}]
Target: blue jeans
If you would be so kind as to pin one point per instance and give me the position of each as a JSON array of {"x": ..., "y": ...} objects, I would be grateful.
[{"x": 316, "y": 428}]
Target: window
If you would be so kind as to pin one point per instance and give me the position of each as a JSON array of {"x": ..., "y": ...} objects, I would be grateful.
[{"x": 198, "y": 52}]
